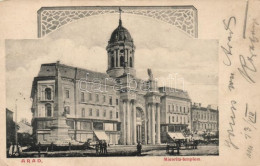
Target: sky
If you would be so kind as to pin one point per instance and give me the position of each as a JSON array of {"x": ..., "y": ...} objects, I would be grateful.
[{"x": 159, "y": 46}]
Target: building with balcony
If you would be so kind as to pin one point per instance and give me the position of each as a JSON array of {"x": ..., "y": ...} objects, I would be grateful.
[
  {"x": 204, "y": 119},
  {"x": 176, "y": 114}
]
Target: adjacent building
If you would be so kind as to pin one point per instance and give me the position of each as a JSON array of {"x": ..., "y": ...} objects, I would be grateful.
[
  {"x": 10, "y": 128},
  {"x": 175, "y": 117},
  {"x": 204, "y": 119},
  {"x": 24, "y": 133}
]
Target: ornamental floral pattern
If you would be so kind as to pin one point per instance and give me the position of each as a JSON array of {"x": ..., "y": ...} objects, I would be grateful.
[{"x": 182, "y": 17}]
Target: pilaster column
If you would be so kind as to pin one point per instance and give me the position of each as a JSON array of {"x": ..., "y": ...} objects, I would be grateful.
[
  {"x": 149, "y": 124},
  {"x": 128, "y": 123},
  {"x": 128, "y": 58},
  {"x": 133, "y": 58},
  {"x": 115, "y": 56},
  {"x": 167, "y": 128},
  {"x": 118, "y": 56},
  {"x": 145, "y": 126},
  {"x": 153, "y": 123},
  {"x": 124, "y": 123},
  {"x": 108, "y": 60},
  {"x": 134, "y": 123},
  {"x": 158, "y": 125}
]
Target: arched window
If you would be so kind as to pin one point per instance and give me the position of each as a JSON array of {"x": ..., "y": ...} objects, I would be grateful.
[
  {"x": 67, "y": 109},
  {"x": 116, "y": 61},
  {"x": 112, "y": 62},
  {"x": 48, "y": 94},
  {"x": 105, "y": 113},
  {"x": 48, "y": 109},
  {"x": 82, "y": 97},
  {"x": 138, "y": 114},
  {"x": 131, "y": 62},
  {"x": 110, "y": 100},
  {"x": 67, "y": 94},
  {"x": 121, "y": 61},
  {"x": 111, "y": 115},
  {"x": 83, "y": 112}
]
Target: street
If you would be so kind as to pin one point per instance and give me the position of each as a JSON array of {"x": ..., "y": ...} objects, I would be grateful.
[
  {"x": 201, "y": 151},
  {"x": 119, "y": 150}
]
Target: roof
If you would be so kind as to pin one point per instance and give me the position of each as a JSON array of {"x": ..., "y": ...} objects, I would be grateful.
[
  {"x": 9, "y": 111},
  {"x": 49, "y": 71},
  {"x": 176, "y": 135},
  {"x": 173, "y": 92},
  {"x": 194, "y": 107},
  {"x": 70, "y": 72},
  {"x": 24, "y": 128}
]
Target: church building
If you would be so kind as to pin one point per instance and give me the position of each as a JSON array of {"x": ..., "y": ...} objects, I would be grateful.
[{"x": 72, "y": 104}]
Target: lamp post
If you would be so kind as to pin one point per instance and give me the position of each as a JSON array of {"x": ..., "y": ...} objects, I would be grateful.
[
  {"x": 16, "y": 136},
  {"x": 16, "y": 122}
]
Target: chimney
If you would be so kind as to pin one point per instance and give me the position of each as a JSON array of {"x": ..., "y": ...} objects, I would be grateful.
[
  {"x": 209, "y": 106},
  {"x": 199, "y": 104}
]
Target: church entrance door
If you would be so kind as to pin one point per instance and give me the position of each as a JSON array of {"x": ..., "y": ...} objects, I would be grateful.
[{"x": 140, "y": 125}]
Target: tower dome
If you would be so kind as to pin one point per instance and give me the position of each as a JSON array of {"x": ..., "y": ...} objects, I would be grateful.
[
  {"x": 120, "y": 51},
  {"x": 120, "y": 34}
]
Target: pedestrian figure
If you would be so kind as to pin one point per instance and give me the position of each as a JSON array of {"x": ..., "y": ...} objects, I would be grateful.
[
  {"x": 11, "y": 150},
  {"x": 167, "y": 147},
  {"x": 52, "y": 146},
  {"x": 19, "y": 150},
  {"x": 105, "y": 147},
  {"x": 69, "y": 146},
  {"x": 139, "y": 149},
  {"x": 101, "y": 147},
  {"x": 39, "y": 149},
  {"x": 97, "y": 147}
]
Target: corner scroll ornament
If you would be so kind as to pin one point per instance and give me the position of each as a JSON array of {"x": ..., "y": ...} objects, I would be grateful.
[{"x": 182, "y": 17}]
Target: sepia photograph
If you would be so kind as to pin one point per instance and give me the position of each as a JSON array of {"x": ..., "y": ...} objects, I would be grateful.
[{"x": 113, "y": 81}]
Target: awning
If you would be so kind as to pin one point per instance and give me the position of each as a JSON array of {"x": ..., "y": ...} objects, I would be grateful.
[
  {"x": 197, "y": 137},
  {"x": 200, "y": 132},
  {"x": 176, "y": 135},
  {"x": 101, "y": 135},
  {"x": 212, "y": 133}
]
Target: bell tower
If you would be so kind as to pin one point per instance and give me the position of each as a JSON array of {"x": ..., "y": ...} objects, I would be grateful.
[{"x": 120, "y": 51}]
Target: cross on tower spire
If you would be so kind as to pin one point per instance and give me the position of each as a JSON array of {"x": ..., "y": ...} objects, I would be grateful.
[{"x": 120, "y": 21}]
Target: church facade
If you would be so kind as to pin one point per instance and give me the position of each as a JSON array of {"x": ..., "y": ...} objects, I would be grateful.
[{"x": 72, "y": 104}]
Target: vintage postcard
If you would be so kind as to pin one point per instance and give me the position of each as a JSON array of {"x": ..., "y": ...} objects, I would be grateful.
[{"x": 130, "y": 82}]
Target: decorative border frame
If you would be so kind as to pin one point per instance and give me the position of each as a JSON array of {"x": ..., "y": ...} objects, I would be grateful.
[{"x": 182, "y": 17}]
